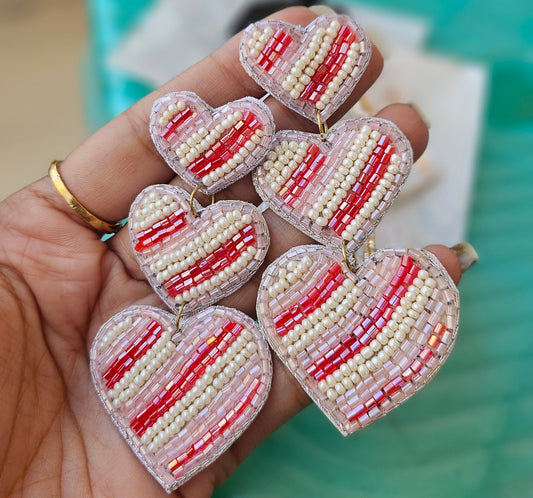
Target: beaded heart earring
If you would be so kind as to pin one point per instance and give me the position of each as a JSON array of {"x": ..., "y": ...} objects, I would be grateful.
[
  {"x": 210, "y": 148},
  {"x": 359, "y": 339}
]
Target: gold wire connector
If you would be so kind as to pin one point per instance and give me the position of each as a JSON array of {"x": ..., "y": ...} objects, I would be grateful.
[
  {"x": 349, "y": 259},
  {"x": 98, "y": 224},
  {"x": 369, "y": 247},
  {"x": 322, "y": 126},
  {"x": 191, "y": 201},
  {"x": 178, "y": 318}
]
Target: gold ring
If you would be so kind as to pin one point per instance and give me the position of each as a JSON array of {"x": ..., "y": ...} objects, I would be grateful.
[{"x": 99, "y": 225}]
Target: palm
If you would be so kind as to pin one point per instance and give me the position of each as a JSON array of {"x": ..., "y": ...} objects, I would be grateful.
[
  {"x": 54, "y": 305},
  {"x": 59, "y": 283}
]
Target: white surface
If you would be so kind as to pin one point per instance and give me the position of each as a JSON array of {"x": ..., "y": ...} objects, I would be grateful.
[
  {"x": 433, "y": 206},
  {"x": 173, "y": 36}
]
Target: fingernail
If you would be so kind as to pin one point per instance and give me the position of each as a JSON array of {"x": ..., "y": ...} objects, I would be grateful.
[
  {"x": 321, "y": 10},
  {"x": 466, "y": 254},
  {"x": 421, "y": 113}
]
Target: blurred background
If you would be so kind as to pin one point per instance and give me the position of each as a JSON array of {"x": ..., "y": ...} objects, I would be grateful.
[{"x": 68, "y": 66}]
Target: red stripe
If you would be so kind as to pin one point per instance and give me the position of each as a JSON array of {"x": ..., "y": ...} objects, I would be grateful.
[
  {"x": 274, "y": 49},
  {"x": 369, "y": 328},
  {"x": 303, "y": 175},
  {"x": 195, "y": 367},
  {"x": 366, "y": 183},
  {"x": 216, "y": 430},
  {"x": 331, "y": 280},
  {"x": 175, "y": 122},
  {"x": 212, "y": 264},
  {"x": 227, "y": 146},
  {"x": 337, "y": 55},
  {"x": 160, "y": 230},
  {"x": 134, "y": 351},
  {"x": 393, "y": 386}
]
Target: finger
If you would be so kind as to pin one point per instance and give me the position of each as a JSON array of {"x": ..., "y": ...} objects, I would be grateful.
[
  {"x": 107, "y": 171},
  {"x": 285, "y": 400}
]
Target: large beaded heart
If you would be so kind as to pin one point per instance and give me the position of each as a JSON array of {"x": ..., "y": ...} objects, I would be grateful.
[
  {"x": 210, "y": 148},
  {"x": 308, "y": 69},
  {"x": 338, "y": 190},
  {"x": 195, "y": 260},
  {"x": 359, "y": 344},
  {"x": 180, "y": 398}
]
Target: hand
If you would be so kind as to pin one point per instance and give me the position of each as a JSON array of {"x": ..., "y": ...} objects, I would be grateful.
[{"x": 59, "y": 283}]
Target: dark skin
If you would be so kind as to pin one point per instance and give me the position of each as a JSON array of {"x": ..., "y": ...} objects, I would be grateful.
[{"x": 59, "y": 283}]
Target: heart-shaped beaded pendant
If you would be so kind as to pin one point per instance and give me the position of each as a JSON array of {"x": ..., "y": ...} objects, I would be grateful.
[
  {"x": 336, "y": 190},
  {"x": 307, "y": 69},
  {"x": 210, "y": 148},
  {"x": 191, "y": 259},
  {"x": 361, "y": 343},
  {"x": 180, "y": 398}
]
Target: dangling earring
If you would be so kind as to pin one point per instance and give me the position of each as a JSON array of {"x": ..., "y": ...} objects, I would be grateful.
[
  {"x": 181, "y": 389},
  {"x": 359, "y": 339}
]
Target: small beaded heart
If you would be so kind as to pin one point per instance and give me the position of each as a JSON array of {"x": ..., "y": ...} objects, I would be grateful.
[
  {"x": 210, "y": 148},
  {"x": 359, "y": 344},
  {"x": 195, "y": 260},
  {"x": 308, "y": 69},
  {"x": 182, "y": 398},
  {"x": 336, "y": 190}
]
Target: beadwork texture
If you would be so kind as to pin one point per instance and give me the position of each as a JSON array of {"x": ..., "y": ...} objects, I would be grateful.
[
  {"x": 180, "y": 398},
  {"x": 359, "y": 344},
  {"x": 308, "y": 69},
  {"x": 195, "y": 260},
  {"x": 210, "y": 148},
  {"x": 337, "y": 190}
]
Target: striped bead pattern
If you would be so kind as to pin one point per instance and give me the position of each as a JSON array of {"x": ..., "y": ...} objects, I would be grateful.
[
  {"x": 308, "y": 69},
  {"x": 210, "y": 148},
  {"x": 339, "y": 189},
  {"x": 359, "y": 344},
  {"x": 196, "y": 260},
  {"x": 208, "y": 382}
]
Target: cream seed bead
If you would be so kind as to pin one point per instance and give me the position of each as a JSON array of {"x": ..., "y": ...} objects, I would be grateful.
[
  {"x": 376, "y": 363},
  {"x": 426, "y": 291},
  {"x": 399, "y": 335},
  {"x": 337, "y": 376},
  {"x": 410, "y": 295},
  {"x": 418, "y": 282},
  {"x": 347, "y": 383},
  {"x": 363, "y": 371},
  {"x": 367, "y": 352}
]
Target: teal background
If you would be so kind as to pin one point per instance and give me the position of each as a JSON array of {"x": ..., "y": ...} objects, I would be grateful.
[{"x": 470, "y": 432}]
